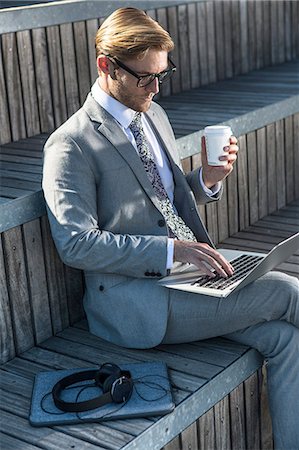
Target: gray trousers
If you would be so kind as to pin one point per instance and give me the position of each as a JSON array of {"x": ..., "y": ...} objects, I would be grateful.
[{"x": 264, "y": 315}]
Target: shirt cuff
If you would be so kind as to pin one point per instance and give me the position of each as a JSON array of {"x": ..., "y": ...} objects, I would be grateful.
[
  {"x": 214, "y": 189},
  {"x": 170, "y": 250}
]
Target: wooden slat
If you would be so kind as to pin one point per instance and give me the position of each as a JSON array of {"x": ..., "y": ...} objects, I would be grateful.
[
  {"x": 212, "y": 57},
  {"x": 228, "y": 38},
  {"x": 5, "y": 135},
  {"x": 271, "y": 167},
  {"x": 252, "y": 416},
  {"x": 237, "y": 415},
  {"x": 173, "y": 31},
  {"x": 7, "y": 351},
  {"x": 82, "y": 62},
  {"x": 92, "y": 26},
  {"x": 253, "y": 177},
  {"x": 280, "y": 164},
  {"x": 219, "y": 41},
  {"x": 243, "y": 183},
  {"x": 184, "y": 53},
  {"x": 202, "y": 47},
  {"x": 296, "y": 151},
  {"x": 262, "y": 172},
  {"x": 69, "y": 68},
  {"x": 24, "y": 46},
  {"x": 56, "y": 75},
  {"x": 18, "y": 292},
  {"x": 56, "y": 281},
  {"x": 37, "y": 280},
  {"x": 244, "y": 37},
  {"x": 193, "y": 45},
  {"x": 251, "y": 24},
  {"x": 13, "y": 86},
  {"x": 42, "y": 75},
  {"x": 266, "y": 32}
]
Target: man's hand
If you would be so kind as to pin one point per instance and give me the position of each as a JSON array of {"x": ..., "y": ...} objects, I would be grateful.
[
  {"x": 212, "y": 174},
  {"x": 202, "y": 256}
]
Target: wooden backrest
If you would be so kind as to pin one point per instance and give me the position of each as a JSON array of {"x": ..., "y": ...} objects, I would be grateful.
[
  {"x": 46, "y": 72},
  {"x": 41, "y": 296}
]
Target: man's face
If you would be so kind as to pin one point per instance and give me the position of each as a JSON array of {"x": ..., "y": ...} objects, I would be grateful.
[{"x": 124, "y": 86}]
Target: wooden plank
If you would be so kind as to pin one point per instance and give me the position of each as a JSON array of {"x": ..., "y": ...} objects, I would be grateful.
[
  {"x": 236, "y": 37},
  {"x": 161, "y": 17},
  {"x": 202, "y": 42},
  {"x": 56, "y": 281},
  {"x": 211, "y": 44},
  {"x": 271, "y": 165},
  {"x": 274, "y": 34},
  {"x": 174, "y": 444},
  {"x": 189, "y": 437},
  {"x": 252, "y": 44},
  {"x": 185, "y": 65},
  {"x": 173, "y": 31},
  {"x": 266, "y": 423},
  {"x": 242, "y": 183},
  {"x": 24, "y": 45},
  {"x": 259, "y": 25},
  {"x": 296, "y": 152},
  {"x": 224, "y": 213},
  {"x": 13, "y": 86},
  {"x": 5, "y": 135},
  {"x": 262, "y": 172},
  {"x": 252, "y": 415},
  {"x": 244, "y": 37},
  {"x": 280, "y": 164},
  {"x": 12, "y": 443},
  {"x": 69, "y": 68},
  {"x": 92, "y": 26},
  {"x": 17, "y": 287},
  {"x": 56, "y": 75},
  {"x": 212, "y": 221},
  {"x": 222, "y": 424},
  {"x": 281, "y": 30},
  {"x": 42, "y": 79},
  {"x": 252, "y": 177},
  {"x": 37, "y": 280},
  {"x": 7, "y": 348},
  {"x": 206, "y": 426},
  {"x": 219, "y": 41},
  {"x": 288, "y": 30},
  {"x": 295, "y": 30},
  {"x": 232, "y": 202},
  {"x": 193, "y": 46},
  {"x": 237, "y": 415},
  {"x": 82, "y": 62},
  {"x": 228, "y": 39},
  {"x": 266, "y": 33}
]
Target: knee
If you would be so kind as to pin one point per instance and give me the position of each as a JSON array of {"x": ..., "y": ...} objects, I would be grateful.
[{"x": 287, "y": 284}]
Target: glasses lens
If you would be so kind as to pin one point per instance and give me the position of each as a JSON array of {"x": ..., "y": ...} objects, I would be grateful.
[{"x": 144, "y": 81}]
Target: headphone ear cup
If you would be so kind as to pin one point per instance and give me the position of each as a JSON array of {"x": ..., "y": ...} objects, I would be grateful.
[
  {"x": 105, "y": 372},
  {"x": 121, "y": 389},
  {"x": 107, "y": 385}
]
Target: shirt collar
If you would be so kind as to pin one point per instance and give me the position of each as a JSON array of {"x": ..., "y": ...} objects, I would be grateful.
[{"x": 117, "y": 110}]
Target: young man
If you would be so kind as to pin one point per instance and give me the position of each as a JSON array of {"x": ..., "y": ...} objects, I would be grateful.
[{"x": 121, "y": 209}]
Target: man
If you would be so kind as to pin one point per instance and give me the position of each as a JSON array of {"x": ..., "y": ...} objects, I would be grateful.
[{"x": 121, "y": 209}]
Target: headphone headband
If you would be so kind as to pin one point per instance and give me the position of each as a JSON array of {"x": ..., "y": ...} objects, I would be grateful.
[{"x": 117, "y": 386}]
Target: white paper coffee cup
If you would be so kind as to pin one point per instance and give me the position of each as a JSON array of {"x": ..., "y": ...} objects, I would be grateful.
[{"x": 217, "y": 137}]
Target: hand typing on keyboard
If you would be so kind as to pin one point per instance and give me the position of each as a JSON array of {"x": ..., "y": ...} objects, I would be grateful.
[{"x": 204, "y": 257}]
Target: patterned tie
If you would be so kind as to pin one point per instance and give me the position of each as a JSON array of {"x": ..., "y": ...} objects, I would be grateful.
[{"x": 173, "y": 221}]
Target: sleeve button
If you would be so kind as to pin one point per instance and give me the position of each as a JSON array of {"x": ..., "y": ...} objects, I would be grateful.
[
  {"x": 101, "y": 287},
  {"x": 161, "y": 223}
]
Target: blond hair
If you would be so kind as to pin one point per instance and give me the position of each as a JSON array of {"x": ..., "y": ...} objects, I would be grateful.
[{"x": 130, "y": 32}]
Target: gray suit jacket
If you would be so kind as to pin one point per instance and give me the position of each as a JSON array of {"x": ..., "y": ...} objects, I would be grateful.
[{"x": 105, "y": 219}]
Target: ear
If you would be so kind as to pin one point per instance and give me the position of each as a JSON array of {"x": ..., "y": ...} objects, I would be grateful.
[{"x": 103, "y": 64}]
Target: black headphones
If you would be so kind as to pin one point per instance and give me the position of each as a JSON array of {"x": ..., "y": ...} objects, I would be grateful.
[{"x": 116, "y": 384}]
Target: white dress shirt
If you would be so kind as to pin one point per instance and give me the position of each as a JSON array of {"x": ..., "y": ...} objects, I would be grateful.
[{"x": 124, "y": 116}]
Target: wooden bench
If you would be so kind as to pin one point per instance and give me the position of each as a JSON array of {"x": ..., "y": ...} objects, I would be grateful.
[{"x": 220, "y": 386}]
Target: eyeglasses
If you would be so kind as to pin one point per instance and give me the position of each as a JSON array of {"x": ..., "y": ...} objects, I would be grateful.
[{"x": 145, "y": 80}]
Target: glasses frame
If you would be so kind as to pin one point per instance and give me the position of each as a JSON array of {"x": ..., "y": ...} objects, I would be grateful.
[{"x": 161, "y": 76}]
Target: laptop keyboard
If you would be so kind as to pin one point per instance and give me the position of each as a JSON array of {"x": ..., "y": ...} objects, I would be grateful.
[{"x": 242, "y": 265}]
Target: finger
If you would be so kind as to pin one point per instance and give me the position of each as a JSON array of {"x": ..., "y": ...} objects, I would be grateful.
[
  {"x": 220, "y": 258},
  {"x": 217, "y": 262},
  {"x": 233, "y": 140}
]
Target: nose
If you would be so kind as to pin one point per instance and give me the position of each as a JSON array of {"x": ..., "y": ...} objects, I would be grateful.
[{"x": 153, "y": 86}]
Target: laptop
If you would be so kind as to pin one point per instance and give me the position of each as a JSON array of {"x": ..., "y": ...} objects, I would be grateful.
[{"x": 248, "y": 267}]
